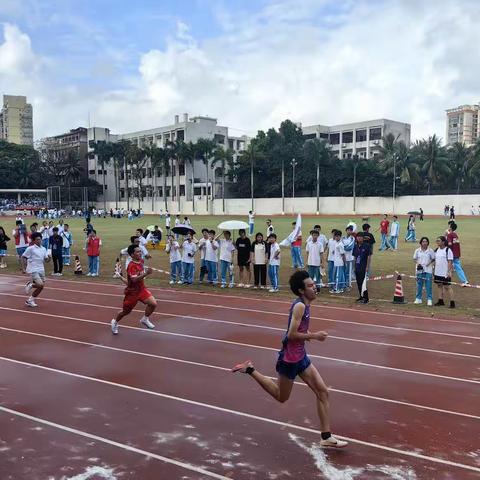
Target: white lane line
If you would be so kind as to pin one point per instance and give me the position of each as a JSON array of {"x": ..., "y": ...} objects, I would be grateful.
[
  {"x": 216, "y": 367},
  {"x": 247, "y": 415},
  {"x": 262, "y": 299},
  {"x": 81, "y": 433},
  {"x": 333, "y": 359},
  {"x": 264, "y": 312},
  {"x": 278, "y": 329}
]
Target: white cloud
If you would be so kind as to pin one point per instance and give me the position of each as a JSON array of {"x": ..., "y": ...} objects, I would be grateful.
[{"x": 310, "y": 61}]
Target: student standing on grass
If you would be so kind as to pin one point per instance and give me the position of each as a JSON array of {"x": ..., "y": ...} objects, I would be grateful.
[
  {"x": 324, "y": 242},
  {"x": 226, "y": 259},
  {"x": 33, "y": 263},
  {"x": 362, "y": 252},
  {"x": 394, "y": 232},
  {"x": 384, "y": 224},
  {"x": 331, "y": 253},
  {"x": 3, "y": 247},
  {"x": 339, "y": 264},
  {"x": 188, "y": 259},
  {"x": 201, "y": 247},
  {"x": 211, "y": 258},
  {"x": 454, "y": 244},
  {"x": 92, "y": 246},
  {"x": 251, "y": 222},
  {"x": 421, "y": 214},
  {"x": 259, "y": 261},
  {"x": 411, "y": 237},
  {"x": 443, "y": 271},
  {"x": 135, "y": 291},
  {"x": 45, "y": 231},
  {"x": 293, "y": 359},
  {"x": 348, "y": 244},
  {"x": 56, "y": 247},
  {"x": 274, "y": 263},
  {"x": 296, "y": 250},
  {"x": 315, "y": 252},
  {"x": 270, "y": 228},
  {"x": 243, "y": 246},
  {"x": 67, "y": 244},
  {"x": 424, "y": 258},
  {"x": 173, "y": 249},
  {"x": 167, "y": 223}
]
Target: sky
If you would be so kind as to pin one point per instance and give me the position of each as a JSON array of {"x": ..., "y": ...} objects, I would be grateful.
[{"x": 249, "y": 63}]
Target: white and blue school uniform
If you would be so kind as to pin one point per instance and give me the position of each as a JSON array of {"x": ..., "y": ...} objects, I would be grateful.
[
  {"x": 348, "y": 244},
  {"x": 175, "y": 261},
  {"x": 394, "y": 233},
  {"x": 314, "y": 250},
  {"x": 188, "y": 261},
  {"x": 274, "y": 265},
  {"x": 67, "y": 245}
]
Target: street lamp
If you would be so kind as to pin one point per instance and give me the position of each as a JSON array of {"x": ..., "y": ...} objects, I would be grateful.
[
  {"x": 394, "y": 180},
  {"x": 355, "y": 159},
  {"x": 294, "y": 163}
]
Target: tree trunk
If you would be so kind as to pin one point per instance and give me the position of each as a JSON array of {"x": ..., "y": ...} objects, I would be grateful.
[
  {"x": 193, "y": 186},
  {"x": 223, "y": 187},
  {"x": 117, "y": 184},
  {"x": 127, "y": 193},
  {"x": 154, "y": 188},
  {"x": 206, "y": 189},
  {"x": 103, "y": 189},
  {"x": 178, "y": 185},
  {"x": 172, "y": 183},
  {"x": 165, "y": 187}
]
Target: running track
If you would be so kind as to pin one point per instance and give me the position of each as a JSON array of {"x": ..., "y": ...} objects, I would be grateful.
[{"x": 76, "y": 402}]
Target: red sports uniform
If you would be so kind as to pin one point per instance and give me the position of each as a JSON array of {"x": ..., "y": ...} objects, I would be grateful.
[{"x": 135, "y": 292}]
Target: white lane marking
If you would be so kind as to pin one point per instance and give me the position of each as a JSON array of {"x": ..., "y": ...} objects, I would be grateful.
[
  {"x": 190, "y": 362},
  {"x": 248, "y": 415},
  {"x": 333, "y": 359},
  {"x": 129, "y": 448},
  {"x": 264, "y": 312},
  {"x": 267, "y": 327},
  {"x": 263, "y": 300}
]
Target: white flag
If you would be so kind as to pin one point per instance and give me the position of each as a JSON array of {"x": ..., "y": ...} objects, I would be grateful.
[{"x": 293, "y": 236}]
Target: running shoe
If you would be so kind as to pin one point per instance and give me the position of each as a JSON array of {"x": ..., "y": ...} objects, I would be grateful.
[
  {"x": 331, "y": 441},
  {"x": 31, "y": 303},
  {"x": 240, "y": 285},
  {"x": 28, "y": 287},
  {"x": 418, "y": 301},
  {"x": 147, "y": 323},
  {"x": 171, "y": 282},
  {"x": 429, "y": 303},
  {"x": 242, "y": 367},
  {"x": 465, "y": 284},
  {"x": 114, "y": 325}
]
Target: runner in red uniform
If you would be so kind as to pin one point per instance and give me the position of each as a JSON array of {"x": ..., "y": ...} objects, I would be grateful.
[{"x": 135, "y": 291}]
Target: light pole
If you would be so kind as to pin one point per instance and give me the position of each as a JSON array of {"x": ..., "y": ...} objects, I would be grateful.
[
  {"x": 294, "y": 163},
  {"x": 251, "y": 182},
  {"x": 318, "y": 186},
  {"x": 394, "y": 180},
  {"x": 283, "y": 187},
  {"x": 355, "y": 165}
]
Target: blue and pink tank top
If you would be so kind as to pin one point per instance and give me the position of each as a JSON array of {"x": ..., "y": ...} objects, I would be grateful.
[{"x": 294, "y": 350}]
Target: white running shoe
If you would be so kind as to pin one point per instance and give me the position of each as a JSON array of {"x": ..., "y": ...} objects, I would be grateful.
[
  {"x": 331, "y": 441},
  {"x": 231, "y": 285},
  {"x": 28, "y": 287},
  {"x": 418, "y": 301},
  {"x": 273, "y": 290},
  {"x": 114, "y": 325},
  {"x": 147, "y": 323},
  {"x": 465, "y": 284},
  {"x": 88, "y": 274},
  {"x": 31, "y": 303},
  {"x": 429, "y": 303},
  {"x": 171, "y": 282},
  {"x": 247, "y": 286},
  {"x": 240, "y": 285},
  {"x": 180, "y": 282}
]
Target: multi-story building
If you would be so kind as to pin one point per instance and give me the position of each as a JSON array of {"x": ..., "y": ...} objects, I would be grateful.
[
  {"x": 361, "y": 138},
  {"x": 176, "y": 184},
  {"x": 16, "y": 120},
  {"x": 463, "y": 124},
  {"x": 57, "y": 149}
]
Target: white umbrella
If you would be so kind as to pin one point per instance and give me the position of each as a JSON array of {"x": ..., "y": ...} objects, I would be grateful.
[{"x": 233, "y": 225}]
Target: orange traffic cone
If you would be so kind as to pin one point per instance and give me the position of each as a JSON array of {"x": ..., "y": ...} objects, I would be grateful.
[
  {"x": 118, "y": 269},
  {"x": 398, "y": 295},
  {"x": 78, "y": 266}
]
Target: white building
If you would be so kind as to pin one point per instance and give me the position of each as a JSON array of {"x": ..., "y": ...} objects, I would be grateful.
[
  {"x": 178, "y": 184},
  {"x": 361, "y": 138},
  {"x": 463, "y": 124},
  {"x": 16, "y": 120}
]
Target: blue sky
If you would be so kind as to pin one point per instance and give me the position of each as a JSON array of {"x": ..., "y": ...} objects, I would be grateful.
[{"x": 248, "y": 63}]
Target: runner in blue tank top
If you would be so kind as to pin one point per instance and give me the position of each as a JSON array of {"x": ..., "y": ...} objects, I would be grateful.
[{"x": 293, "y": 359}]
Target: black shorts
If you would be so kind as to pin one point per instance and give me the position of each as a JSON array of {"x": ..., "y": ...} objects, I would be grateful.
[
  {"x": 291, "y": 370},
  {"x": 243, "y": 263},
  {"x": 442, "y": 280}
]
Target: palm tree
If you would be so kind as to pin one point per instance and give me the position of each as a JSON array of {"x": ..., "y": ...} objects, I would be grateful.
[
  {"x": 251, "y": 155},
  {"x": 71, "y": 170},
  {"x": 160, "y": 163},
  {"x": 460, "y": 157},
  {"x": 184, "y": 152},
  {"x": 433, "y": 160},
  {"x": 104, "y": 152},
  {"x": 474, "y": 169},
  {"x": 120, "y": 162},
  {"x": 206, "y": 148},
  {"x": 222, "y": 157}
]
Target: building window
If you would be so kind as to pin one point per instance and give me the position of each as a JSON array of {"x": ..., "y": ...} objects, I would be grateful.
[
  {"x": 122, "y": 193},
  {"x": 181, "y": 169},
  {"x": 230, "y": 144},
  {"x": 361, "y": 136},
  {"x": 182, "y": 190},
  {"x": 347, "y": 137},
  {"x": 310, "y": 136},
  {"x": 197, "y": 191},
  {"x": 181, "y": 135},
  {"x": 324, "y": 136},
  {"x": 334, "y": 138},
  {"x": 217, "y": 138},
  {"x": 91, "y": 172},
  {"x": 376, "y": 133}
]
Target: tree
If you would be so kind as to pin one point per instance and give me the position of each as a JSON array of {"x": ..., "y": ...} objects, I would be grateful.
[
  {"x": 433, "y": 160},
  {"x": 184, "y": 152},
  {"x": 120, "y": 162},
  {"x": 71, "y": 171},
  {"x": 159, "y": 158},
  {"x": 316, "y": 155},
  {"x": 104, "y": 152},
  {"x": 222, "y": 157},
  {"x": 205, "y": 149},
  {"x": 460, "y": 157},
  {"x": 137, "y": 160}
]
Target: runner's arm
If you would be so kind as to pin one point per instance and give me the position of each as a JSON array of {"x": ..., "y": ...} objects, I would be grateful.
[{"x": 294, "y": 334}]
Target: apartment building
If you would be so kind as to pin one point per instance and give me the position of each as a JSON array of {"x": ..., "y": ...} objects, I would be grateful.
[
  {"x": 463, "y": 124},
  {"x": 16, "y": 120},
  {"x": 176, "y": 184},
  {"x": 360, "y": 138}
]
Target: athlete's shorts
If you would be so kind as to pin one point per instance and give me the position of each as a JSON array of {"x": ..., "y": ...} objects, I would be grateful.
[
  {"x": 439, "y": 280},
  {"x": 38, "y": 278},
  {"x": 291, "y": 370},
  {"x": 131, "y": 299}
]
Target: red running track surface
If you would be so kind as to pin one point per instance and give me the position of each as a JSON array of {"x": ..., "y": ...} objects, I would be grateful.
[{"x": 79, "y": 403}]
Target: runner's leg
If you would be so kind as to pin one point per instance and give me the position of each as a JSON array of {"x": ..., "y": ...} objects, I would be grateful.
[
  {"x": 314, "y": 380},
  {"x": 279, "y": 389}
]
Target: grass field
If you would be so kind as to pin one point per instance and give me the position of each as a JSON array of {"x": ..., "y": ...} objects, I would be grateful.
[{"x": 115, "y": 234}]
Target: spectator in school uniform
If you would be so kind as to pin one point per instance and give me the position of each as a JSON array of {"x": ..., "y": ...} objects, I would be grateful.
[
  {"x": 251, "y": 222},
  {"x": 424, "y": 258},
  {"x": 443, "y": 271},
  {"x": 314, "y": 250},
  {"x": 259, "y": 261},
  {"x": 339, "y": 264},
  {"x": 362, "y": 253},
  {"x": 92, "y": 246},
  {"x": 348, "y": 243},
  {"x": 454, "y": 244},
  {"x": 173, "y": 249},
  {"x": 56, "y": 247},
  {"x": 3, "y": 247},
  {"x": 394, "y": 232},
  {"x": 67, "y": 243},
  {"x": 22, "y": 239},
  {"x": 331, "y": 253},
  {"x": 211, "y": 258},
  {"x": 226, "y": 259},
  {"x": 243, "y": 246},
  {"x": 296, "y": 250},
  {"x": 201, "y": 246},
  {"x": 274, "y": 263},
  {"x": 188, "y": 259}
]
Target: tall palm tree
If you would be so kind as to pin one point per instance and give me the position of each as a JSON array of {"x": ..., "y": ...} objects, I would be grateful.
[
  {"x": 120, "y": 162},
  {"x": 222, "y": 157},
  {"x": 206, "y": 147},
  {"x": 71, "y": 170},
  {"x": 184, "y": 152},
  {"x": 474, "y": 168},
  {"x": 433, "y": 160},
  {"x": 104, "y": 153},
  {"x": 460, "y": 157},
  {"x": 160, "y": 163}
]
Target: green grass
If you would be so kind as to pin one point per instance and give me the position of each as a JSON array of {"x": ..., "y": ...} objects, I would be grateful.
[{"x": 115, "y": 235}]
